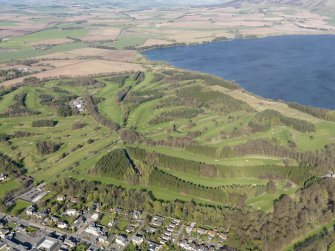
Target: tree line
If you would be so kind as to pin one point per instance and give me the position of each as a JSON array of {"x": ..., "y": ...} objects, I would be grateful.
[
  {"x": 325, "y": 114},
  {"x": 249, "y": 229},
  {"x": 269, "y": 118},
  {"x": 97, "y": 116},
  {"x": 18, "y": 108}
]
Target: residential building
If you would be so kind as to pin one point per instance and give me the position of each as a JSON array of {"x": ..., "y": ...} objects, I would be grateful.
[
  {"x": 121, "y": 240},
  {"x": 72, "y": 212},
  {"x": 137, "y": 240}
]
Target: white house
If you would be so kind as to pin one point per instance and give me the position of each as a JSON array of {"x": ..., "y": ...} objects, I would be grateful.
[
  {"x": 60, "y": 198},
  {"x": 71, "y": 212},
  {"x": 30, "y": 210},
  {"x": 190, "y": 228},
  {"x": 121, "y": 240},
  {"x": 95, "y": 216},
  {"x": 137, "y": 240},
  {"x": 3, "y": 177},
  {"x": 62, "y": 225},
  {"x": 92, "y": 229}
]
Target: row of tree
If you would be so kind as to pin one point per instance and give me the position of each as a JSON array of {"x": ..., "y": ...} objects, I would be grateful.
[
  {"x": 97, "y": 116},
  {"x": 18, "y": 108},
  {"x": 269, "y": 118},
  {"x": 325, "y": 114},
  {"x": 115, "y": 164}
]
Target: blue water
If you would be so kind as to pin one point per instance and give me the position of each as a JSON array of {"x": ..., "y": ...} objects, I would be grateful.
[{"x": 292, "y": 68}]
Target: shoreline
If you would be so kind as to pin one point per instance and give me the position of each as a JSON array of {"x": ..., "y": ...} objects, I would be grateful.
[{"x": 170, "y": 64}]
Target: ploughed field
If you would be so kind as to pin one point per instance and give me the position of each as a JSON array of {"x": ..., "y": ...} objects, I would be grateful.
[{"x": 179, "y": 135}]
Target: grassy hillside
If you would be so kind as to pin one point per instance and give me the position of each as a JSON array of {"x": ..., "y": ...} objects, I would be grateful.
[{"x": 195, "y": 142}]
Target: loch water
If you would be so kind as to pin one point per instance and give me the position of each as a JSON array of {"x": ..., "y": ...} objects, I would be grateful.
[{"x": 291, "y": 68}]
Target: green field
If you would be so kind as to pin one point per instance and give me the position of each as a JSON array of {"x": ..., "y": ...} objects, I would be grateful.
[
  {"x": 19, "y": 207},
  {"x": 8, "y": 186}
]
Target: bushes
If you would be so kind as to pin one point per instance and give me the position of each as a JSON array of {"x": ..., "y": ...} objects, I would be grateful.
[
  {"x": 45, "y": 147},
  {"x": 268, "y": 118},
  {"x": 44, "y": 123}
]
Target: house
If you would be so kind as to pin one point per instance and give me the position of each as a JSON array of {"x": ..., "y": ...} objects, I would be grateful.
[
  {"x": 3, "y": 233},
  {"x": 48, "y": 244},
  {"x": 60, "y": 198},
  {"x": 111, "y": 223},
  {"x": 54, "y": 219},
  {"x": 190, "y": 228},
  {"x": 121, "y": 240},
  {"x": 78, "y": 222},
  {"x": 95, "y": 216},
  {"x": 176, "y": 222},
  {"x": 222, "y": 236},
  {"x": 129, "y": 229},
  {"x": 118, "y": 210},
  {"x": 103, "y": 240},
  {"x": 211, "y": 233},
  {"x": 62, "y": 225},
  {"x": 70, "y": 242},
  {"x": 30, "y": 210},
  {"x": 201, "y": 231},
  {"x": 3, "y": 177},
  {"x": 154, "y": 246},
  {"x": 166, "y": 238},
  {"x": 137, "y": 240},
  {"x": 169, "y": 229},
  {"x": 75, "y": 200},
  {"x": 150, "y": 230},
  {"x": 94, "y": 230},
  {"x": 40, "y": 215},
  {"x": 167, "y": 233},
  {"x": 72, "y": 212},
  {"x": 157, "y": 221},
  {"x": 136, "y": 214},
  {"x": 97, "y": 207}
]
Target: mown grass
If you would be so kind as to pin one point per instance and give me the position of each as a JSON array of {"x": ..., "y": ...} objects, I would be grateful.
[
  {"x": 214, "y": 181},
  {"x": 251, "y": 160},
  {"x": 18, "y": 207},
  {"x": 325, "y": 134},
  {"x": 8, "y": 186},
  {"x": 109, "y": 106},
  {"x": 265, "y": 201}
]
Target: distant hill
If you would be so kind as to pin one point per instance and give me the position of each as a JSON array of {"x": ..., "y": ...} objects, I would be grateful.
[{"x": 328, "y": 5}]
